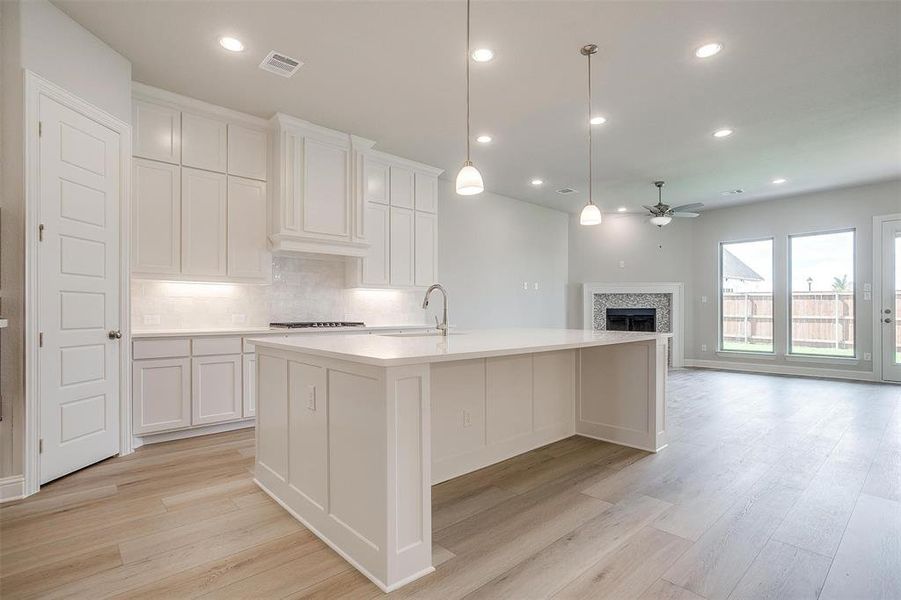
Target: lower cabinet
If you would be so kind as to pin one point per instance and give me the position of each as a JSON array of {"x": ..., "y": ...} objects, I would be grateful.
[
  {"x": 161, "y": 394},
  {"x": 216, "y": 389},
  {"x": 250, "y": 385}
]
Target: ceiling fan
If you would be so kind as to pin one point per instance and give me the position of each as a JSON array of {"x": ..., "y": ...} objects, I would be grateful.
[{"x": 662, "y": 214}]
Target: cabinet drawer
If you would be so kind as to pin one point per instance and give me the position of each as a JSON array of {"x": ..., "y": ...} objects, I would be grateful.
[
  {"x": 215, "y": 345},
  {"x": 162, "y": 348}
]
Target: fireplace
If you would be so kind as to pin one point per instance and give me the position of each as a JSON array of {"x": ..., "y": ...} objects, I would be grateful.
[{"x": 632, "y": 319}]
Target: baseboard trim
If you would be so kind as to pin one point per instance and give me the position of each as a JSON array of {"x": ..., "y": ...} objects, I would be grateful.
[
  {"x": 156, "y": 438},
  {"x": 12, "y": 488},
  {"x": 779, "y": 369}
]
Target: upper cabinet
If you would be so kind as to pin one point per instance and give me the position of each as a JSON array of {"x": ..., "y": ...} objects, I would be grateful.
[
  {"x": 316, "y": 205},
  {"x": 426, "y": 191},
  {"x": 199, "y": 204}
]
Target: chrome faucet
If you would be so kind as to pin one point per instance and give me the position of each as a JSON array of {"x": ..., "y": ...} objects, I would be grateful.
[{"x": 442, "y": 327}]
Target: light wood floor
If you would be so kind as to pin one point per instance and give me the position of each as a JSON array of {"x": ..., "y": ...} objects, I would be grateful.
[{"x": 772, "y": 487}]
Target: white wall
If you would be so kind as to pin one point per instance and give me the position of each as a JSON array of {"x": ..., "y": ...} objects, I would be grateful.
[
  {"x": 488, "y": 245},
  {"x": 39, "y": 37}
]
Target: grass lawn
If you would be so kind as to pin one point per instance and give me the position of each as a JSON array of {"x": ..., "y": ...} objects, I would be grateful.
[{"x": 802, "y": 350}]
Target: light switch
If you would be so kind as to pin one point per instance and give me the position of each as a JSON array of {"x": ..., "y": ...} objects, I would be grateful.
[
  {"x": 467, "y": 418},
  {"x": 525, "y": 285},
  {"x": 311, "y": 397},
  {"x": 867, "y": 356},
  {"x": 622, "y": 264},
  {"x": 703, "y": 299},
  {"x": 867, "y": 295},
  {"x": 535, "y": 286},
  {"x": 867, "y": 287},
  {"x": 703, "y": 347}
]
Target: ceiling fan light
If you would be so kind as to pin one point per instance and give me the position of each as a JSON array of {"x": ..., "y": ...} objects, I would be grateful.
[
  {"x": 591, "y": 215},
  {"x": 469, "y": 180},
  {"x": 661, "y": 220}
]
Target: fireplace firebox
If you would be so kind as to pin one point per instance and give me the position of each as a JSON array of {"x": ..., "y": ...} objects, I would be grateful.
[{"x": 631, "y": 319}]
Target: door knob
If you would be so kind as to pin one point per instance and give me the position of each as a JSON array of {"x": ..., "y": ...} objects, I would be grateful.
[
  {"x": 887, "y": 311},
  {"x": 114, "y": 334},
  {"x": 886, "y": 320}
]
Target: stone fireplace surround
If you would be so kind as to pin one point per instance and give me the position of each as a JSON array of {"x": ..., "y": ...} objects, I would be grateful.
[{"x": 665, "y": 297}]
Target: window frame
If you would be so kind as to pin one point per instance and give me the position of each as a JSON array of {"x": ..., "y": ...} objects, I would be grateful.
[
  {"x": 719, "y": 301},
  {"x": 789, "y": 295}
]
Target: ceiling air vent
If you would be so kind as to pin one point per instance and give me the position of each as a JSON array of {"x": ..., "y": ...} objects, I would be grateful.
[
  {"x": 732, "y": 192},
  {"x": 280, "y": 64},
  {"x": 565, "y": 191}
]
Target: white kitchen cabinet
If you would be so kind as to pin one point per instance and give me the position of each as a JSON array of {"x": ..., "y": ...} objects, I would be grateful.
[
  {"x": 248, "y": 254},
  {"x": 203, "y": 223},
  {"x": 161, "y": 394},
  {"x": 216, "y": 390},
  {"x": 204, "y": 142},
  {"x": 375, "y": 180},
  {"x": 425, "y": 255},
  {"x": 401, "y": 187},
  {"x": 425, "y": 192},
  {"x": 157, "y": 132},
  {"x": 250, "y": 385},
  {"x": 156, "y": 217},
  {"x": 376, "y": 264},
  {"x": 247, "y": 150},
  {"x": 401, "y": 247}
]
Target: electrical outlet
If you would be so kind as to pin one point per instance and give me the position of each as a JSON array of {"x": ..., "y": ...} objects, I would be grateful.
[
  {"x": 703, "y": 299},
  {"x": 703, "y": 347},
  {"x": 867, "y": 287},
  {"x": 867, "y": 356},
  {"x": 867, "y": 295},
  {"x": 622, "y": 264},
  {"x": 467, "y": 418},
  {"x": 535, "y": 286},
  {"x": 151, "y": 319},
  {"x": 311, "y": 397},
  {"x": 525, "y": 285}
]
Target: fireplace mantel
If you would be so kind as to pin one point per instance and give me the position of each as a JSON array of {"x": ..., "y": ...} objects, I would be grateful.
[{"x": 675, "y": 289}]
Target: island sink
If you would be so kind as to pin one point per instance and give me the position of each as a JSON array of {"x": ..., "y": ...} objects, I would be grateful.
[{"x": 353, "y": 430}]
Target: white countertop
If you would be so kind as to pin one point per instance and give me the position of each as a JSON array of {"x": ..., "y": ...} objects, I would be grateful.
[
  {"x": 387, "y": 350},
  {"x": 160, "y": 333}
]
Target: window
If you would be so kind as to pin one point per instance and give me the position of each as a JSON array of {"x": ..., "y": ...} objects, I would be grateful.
[
  {"x": 746, "y": 296},
  {"x": 821, "y": 311}
]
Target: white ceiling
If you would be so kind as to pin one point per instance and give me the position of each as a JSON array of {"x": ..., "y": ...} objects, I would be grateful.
[{"x": 812, "y": 89}]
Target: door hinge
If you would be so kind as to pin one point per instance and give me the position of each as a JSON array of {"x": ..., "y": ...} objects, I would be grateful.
[
  {"x": 41, "y": 446},
  {"x": 40, "y": 128},
  {"x": 41, "y": 339},
  {"x": 41, "y": 232}
]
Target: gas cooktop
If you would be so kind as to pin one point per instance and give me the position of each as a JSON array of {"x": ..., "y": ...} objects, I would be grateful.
[{"x": 317, "y": 324}]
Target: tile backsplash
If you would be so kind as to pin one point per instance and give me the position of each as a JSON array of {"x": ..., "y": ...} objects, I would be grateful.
[{"x": 302, "y": 289}]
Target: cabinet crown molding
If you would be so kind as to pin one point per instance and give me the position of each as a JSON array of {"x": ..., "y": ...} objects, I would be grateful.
[{"x": 141, "y": 91}]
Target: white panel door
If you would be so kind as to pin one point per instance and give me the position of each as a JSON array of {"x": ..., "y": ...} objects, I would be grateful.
[
  {"x": 375, "y": 263},
  {"x": 161, "y": 394},
  {"x": 401, "y": 247},
  {"x": 156, "y": 217},
  {"x": 203, "y": 222},
  {"x": 216, "y": 389},
  {"x": 157, "y": 132},
  {"x": 78, "y": 290},
  {"x": 426, "y": 254},
  {"x": 248, "y": 254},
  {"x": 401, "y": 187},
  {"x": 204, "y": 143},
  {"x": 426, "y": 192},
  {"x": 247, "y": 152},
  {"x": 891, "y": 301},
  {"x": 249, "y": 399},
  {"x": 326, "y": 201}
]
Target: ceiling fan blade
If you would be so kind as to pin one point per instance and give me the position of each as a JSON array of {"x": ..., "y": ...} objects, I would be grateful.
[
  {"x": 684, "y": 214},
  {"x": 689, "y": 207}
]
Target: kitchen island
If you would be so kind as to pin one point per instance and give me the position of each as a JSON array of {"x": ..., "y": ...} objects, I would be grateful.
[{"x": 352, "y": 431}]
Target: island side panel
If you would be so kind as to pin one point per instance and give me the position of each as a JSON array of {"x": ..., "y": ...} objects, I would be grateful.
[{"x": 622, "y": 394}]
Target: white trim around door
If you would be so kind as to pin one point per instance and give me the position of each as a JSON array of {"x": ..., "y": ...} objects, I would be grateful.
[
  {"x": 878, "y": 262},
  {"x": 37, "y": 87}
]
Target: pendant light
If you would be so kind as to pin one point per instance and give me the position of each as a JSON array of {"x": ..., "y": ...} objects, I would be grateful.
[
  {"x": 469, "y": 180},
  {"x": 591, "y": 214}
]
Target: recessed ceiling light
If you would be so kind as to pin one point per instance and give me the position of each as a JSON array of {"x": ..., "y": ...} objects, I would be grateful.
[
  {"x": 537, "y": 181},
  {"x": 597, "y": 120},
  {"x": 780, "y": 180},
  {"x": 482, "y": 54},
  {"x": 483, "y": 139},
  {"x": 708, "y": 50},
  {"x": 721, "y": 133},
  {"x": 621, "y": 209},
  {"x": 231, "y": 44}
]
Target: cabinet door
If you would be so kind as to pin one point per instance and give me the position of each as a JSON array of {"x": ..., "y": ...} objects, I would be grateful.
[
  {"x": 156, "y": 217},
  {"x": 401, "y": 187},
  {"x": 426, "y": 254},
  {"x": 216, "y": 389},
  {"x": 203, "y": 222},
  {"x": 326, "y": 201},
  {"x": 247, "y": 152},
  {"x": 157, "y": 131},
  {"x": 375, "y": 181},
  {"x": 375, "y": 263},
  {"x": 426, "y": 192},
  {"x": 249, "y": 399},
  {"x": 401, "y": 247},
  {"x": 203, "y": 143},
  {"x": 161, "y": 394},
  {"x": 247, "y": 247}
]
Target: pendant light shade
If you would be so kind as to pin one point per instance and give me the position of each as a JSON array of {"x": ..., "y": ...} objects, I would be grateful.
[
  {"x": 469, "y": 180},
  {"x": 591, "y": 215},
  {"x": 661, "y": 221}
]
